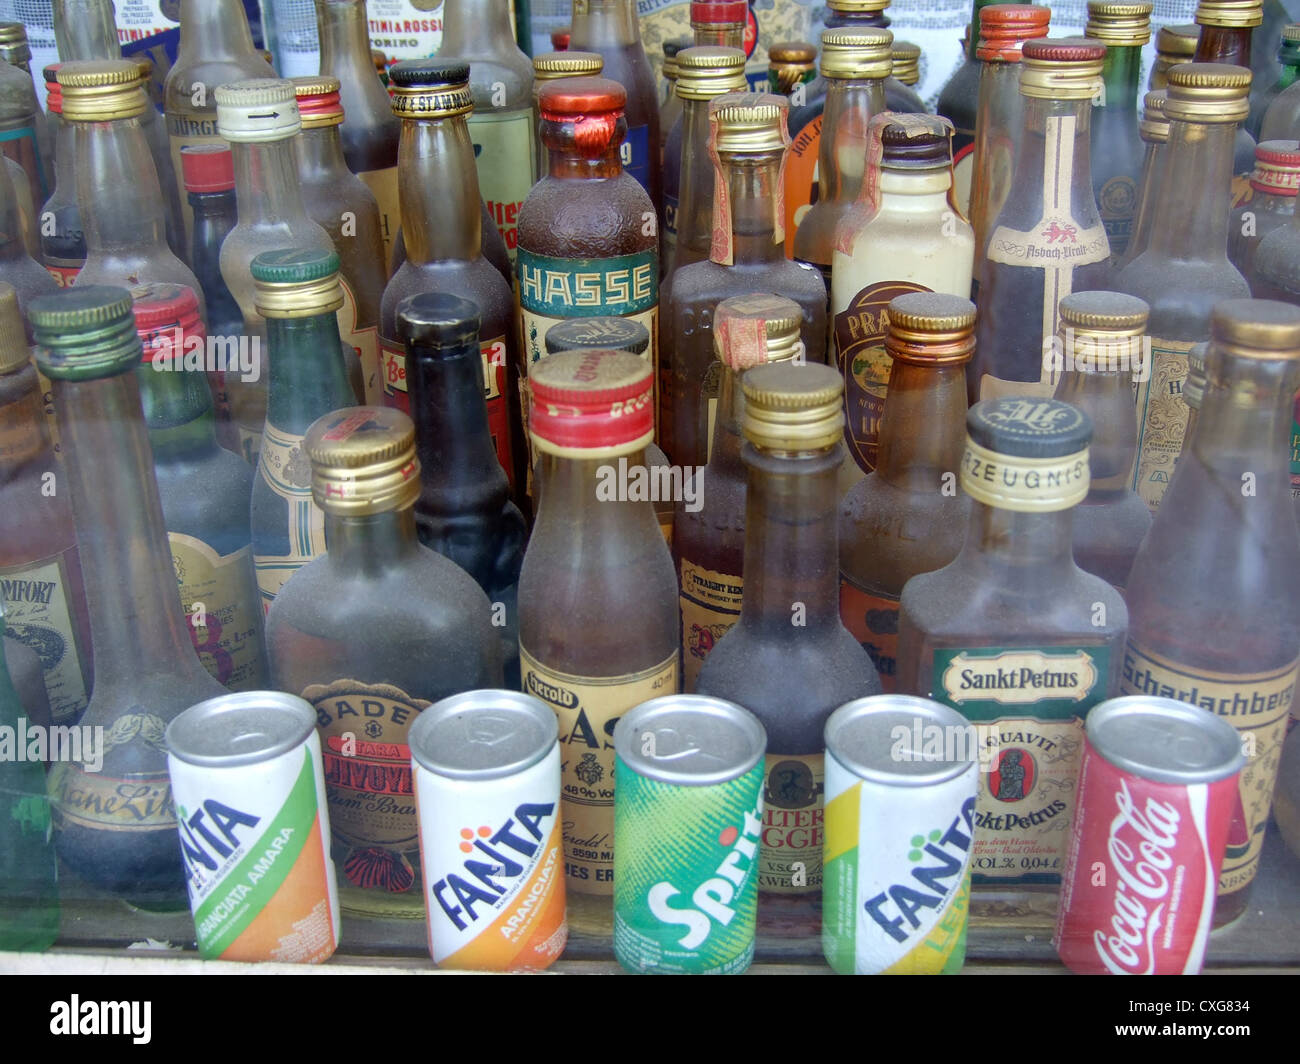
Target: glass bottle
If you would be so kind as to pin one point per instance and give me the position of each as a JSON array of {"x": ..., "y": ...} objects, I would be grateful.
[
  {"x": 1102, "y": 356},
  {"x": 667, "y": 71},
  {"x": 479, "y": 32},
  {"x": 1275, "y": 182},
  {"x": 298, "y": 293},
  {"x": 552, "y": 66},
  {"x": 436, "y": 640},
  {"x": 1174, "y": 45},
  {"x": 747, "y": 255},
  {"x": 1275, "y": 268},
  {"x": 1288, "y": 66},
  {"x": 342, "y": 205},
  {"x": 208, "y": 171},
  {"x": 1185, "y": 270},
  {"x": 17, "y": 267},
  {"x": 900, "y": 96},
  {"x": 155, "y": 135},
  {"x": 1016, "y": 637},
  {"x": 28, "y": 676},
  {"x": 291, "y": 37},
  {"x": 1226, "y": 640},
  {"x": 1226, "y": 30},
  {"x": 23, "y": 135},
  {"x": 439, "y": 193},
  {"x": 790, "y": 64},
  {"x": 204, "y": 492},
  {"x": 116, "y": 828},
  {"x": 788, "y": 659},
  {"x": 610, "y": 27},
  {"x": 597, "y": 594},
  {"x": 40, "y": 565},
  {"x": 906, "y": 516},
  {"x": 1051, "y": 209},
  {"x": 86, "y": 29},
  {"x": 709, "y": 540},
  {"x": 464, "y": 510},
  {"x": 720, "y": 23},
  {"x": 63, "y": 243},
  {"x": 1154, "y": 130},
  {"x": 1194, "y": 390},
  {"x": 904, "y": 235}
]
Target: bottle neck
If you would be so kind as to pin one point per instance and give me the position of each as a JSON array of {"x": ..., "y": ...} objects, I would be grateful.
[
  {"x": 1052, "y": 128},
  {"x": 266, "y": 184},
  {"x": 24, "y": 431},
  {"x": 850, "y": 105},
  {"x": 922, "y": 430},
  {"x": 1107, "y": 398},
  {"x": 605, "y": 22},
  {"x": 477, "y": 28},
  {"x": 1120, "y": 74},
  {"x": 438, "y": 190},
  {"x": 1245, "y": 423},
  {"x": 86, "y": 30},
  {"x": 367, "y": 545},
  {"x": 572, "y": 498},
  {"x": 1020, "y": 552},
  {"x": 1223, "y": 44},
  {"x": 914, "y": 191},
  {"x": 213, "y": 30},
  {"x": 719, "y": 35},
  {"x": 1191, "y": 219},
  {"x": 752, "y": 183},
  {"x": 124, "y": 207},
  {"x": 569, "y": 164},
  {"x": 727, "y": 440},
  {"x": 308, "y": 376},
  {"x": 177, "y": 407},
  {"x": 320, "y": 155},
  {"x": 345, "y": 40}
]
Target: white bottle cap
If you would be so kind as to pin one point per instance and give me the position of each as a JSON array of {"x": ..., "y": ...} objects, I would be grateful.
[{"x": 257, "y": 110}]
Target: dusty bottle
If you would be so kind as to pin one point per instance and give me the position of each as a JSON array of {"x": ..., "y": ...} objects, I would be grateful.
[
  {"x": 17, "y": 267},
  {"x": 790, "y": 64},
  {"x": 437, "y": 640},
  {"x": 709, "y": 540},
  {"x": 439, "y": 194},
  {"x": 155, "y": 134},
  {"x": 1174, "y": 45},
  {"x": 1194, "y": 391},
  {"x": 1288, "y": 66},
  {"x": 1185, "y": 270},
  {"x": 1226, "y": 640},
  {"x": 791, "y": 674},
  {"x": 1275, "y": 267},
  {"x": 906, "y": 516},
  {"x": 1226, "y": 30},
  {"x": 63, "y": 242},
  {"x": 209, "y": 174},
  {"x": 1154, "y": 130},
  {"x": 298, "y": 292},
  {"x": 1048, "y": 240},
  {"x": 86, "y": 29},
  {"x": 747, "y": 255},
  {"x": 116, "y": 828},
  {"x": 1101, "y": 356},
  {"x": 23, "y": 134},
  {"x": 1015, "y": 636},
  {"x": 597, "y": 629},
  {"x": 1275, "y": 182},
  {"x": 204, "y": 492},
  {"x": 552, "y": 66},
  {"x": 40, "y": 565},
  {"x": 899, "y": 94}
]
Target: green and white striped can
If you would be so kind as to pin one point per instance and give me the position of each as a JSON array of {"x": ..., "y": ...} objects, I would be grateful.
[{"x": 688, "y": 816}]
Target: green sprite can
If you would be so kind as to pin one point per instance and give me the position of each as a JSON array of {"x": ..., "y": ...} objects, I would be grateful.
[{"x": 688, "y": 815}]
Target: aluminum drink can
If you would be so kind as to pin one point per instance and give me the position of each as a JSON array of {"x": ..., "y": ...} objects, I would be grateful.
[
  {"x": 486, "y": 766},
  {"x": 688, "y": 820},
  {"x": 901, "y": 777},
  {"x": 254, "y": 828},
  {"x": 1157, "y": 792}
]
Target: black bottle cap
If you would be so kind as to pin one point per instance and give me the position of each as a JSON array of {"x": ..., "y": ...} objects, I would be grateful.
[
  {"x": 592, "y": 334},
  {"x": 428, "y": 73},
  {"x": 436, "y": 319},
  {"x": 1028, "y": 427}
]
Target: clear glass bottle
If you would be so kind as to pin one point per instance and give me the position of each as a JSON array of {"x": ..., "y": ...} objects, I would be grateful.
[
  {"x": 23, "y": 134},
  {"x": 1275, "y": 268},
  {"x": 436, "y": 640},
  {"x": 1174, "y": 45},
  {"x": 1275, "y": 182},
  {"x": 1288, "y": 67},
  {"x": 907, "y": 516},
  {"x": 17, "y": 267},
  {"x": 1226, "y": 30},
  {"x": 208, "y": 171},
  {"x": 1226, "y": 640},
  {"x": 63, "y": 242},
  {"x": 1154, "y": 130},
  {"x": 169, "y": 183},
  {"x": 747, "y": 255},
  {"x": 1185, "y": 270},
  {"x": 86, "y": 29},
  {"x": 900, "y": 96},
  {"x": 552, "y": 66},
  {"x": 116, "y": 828},
  {"x": 720, "y": 23},
  {"x": 597, "y": 596}
]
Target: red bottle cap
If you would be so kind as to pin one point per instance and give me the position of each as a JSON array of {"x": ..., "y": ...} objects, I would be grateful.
[
  {"x": 719, "y": 12},
  {"x": 588, "y": 401},
  {"x": 53, "y": 91},
  {"x": 1277, "y": 167},
  {"x": 568, "y": 98},
  {"x": 1064, "y": 50},
  {"x": 1005, "y": 27},
  {"x": 207, "y": 168},
  {"x": 166, "y": 316},
  {"x": 560, "y": 38}
]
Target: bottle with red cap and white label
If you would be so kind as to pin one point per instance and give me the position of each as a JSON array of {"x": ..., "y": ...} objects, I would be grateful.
[
  {"x": 597, "y": 593},
  {"x": 1275, "y": 181}
]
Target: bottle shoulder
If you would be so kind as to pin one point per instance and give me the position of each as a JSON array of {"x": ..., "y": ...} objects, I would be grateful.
[{"x": 587, "y": 218}]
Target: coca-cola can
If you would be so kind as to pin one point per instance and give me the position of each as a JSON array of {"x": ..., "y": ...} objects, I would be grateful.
[{"x": 1157, "y": 790}]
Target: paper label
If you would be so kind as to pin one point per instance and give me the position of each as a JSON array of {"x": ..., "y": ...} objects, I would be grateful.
[
  {"x": 223, "y": 611},
  {"x": 364, "y": 341},
  {"x": 710, "y": 604},
  {"x": 38, "y": 613},
  {"x": 790, "y": 858},
  {"x": 405, "y": 29},
  {"x": 801, "y": 173},
  {"x": 287, "y": 471},
  {"x": 383, "y": 186},
  {"x": 504, "y": 150},
  {"x": 634, "y": 153},
  {"x": 1117, "y": 200},
  {"x": 1161, "y": 419}
]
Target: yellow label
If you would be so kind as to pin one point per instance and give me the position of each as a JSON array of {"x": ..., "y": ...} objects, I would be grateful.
[
  {"x": 588, "y": 707},
  {"x": 1161, "y": 419},
  {"x": 364, "y": 341},
  {"x": 1257, "y": 705},
  {"x": 790, "y": 856},
  {"x": 106, "y": 803},
  {"x": 503, "y": 150},
  {"x": 223, "y": 611},
  {"x": 873, "y": 621},
  {"x": 38, "y": 613},
  {"x": 383, "y": 186},
  {"x": 287, "y": 471},
  {"x": 710, "y": 604}
]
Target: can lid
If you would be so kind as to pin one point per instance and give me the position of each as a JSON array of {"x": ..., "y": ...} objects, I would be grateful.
[
  {"x": 890, "y": 739},
  {"x": 428, "y": 73},
  {"x": 709, "y": 71},
  {"x": 603, "y": 334},
  {"x": 101, "y": 90},
  {"x": 1126, "y": 24},
  {"x": 296, "y": 282},
  {"x": 719, "y": 12},
  {"x": 1164, "y": 740},
  {"x": 1061, "y": 68},
  {"x": 483, "y": 735},
  {"x": 437, "y": 319},
  {"x": 1108, "y": 312},
  {"x": 857, "y": 52},
  {"x": 1207, "y": 92},
  {"x": 749, "y": 122},
  {"x": 1029, "y": 428},
  {"x": 586, "y": 403},
  {"x": 694, "y": 740},
  {"x": 164, "y": 312},
  {"x": 931, "y": 329},
  {"x": 257, "y": 110},
  {"x": 14, "y": 352},
  {"x": 427, "y": 88},
  {"x": 84, "y": 333},
  {"x": 1026, "y": 455},
  {"x": 1257, "y": 328},
  {"x": 240, "y": 729}
]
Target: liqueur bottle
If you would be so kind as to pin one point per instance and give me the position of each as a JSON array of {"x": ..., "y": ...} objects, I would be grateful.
[
  {"x": 906, "y": 516},
  {"x": 204, "y": 492},
  {"x": 17, "y": 267},
  {"x": 40, "y": 565},
  {"x": 709, "y": 532},
  {"x": 1226, "y": 30},
  {"x": 1226, "y": 640},
  {"x": 1015, "y": 636},
  {"x": 116, "y": 828},
  {"x": 1288, "y": 66},
  {"x": 1275, "y": 267},
  {"x": 368, "y": 682},
  {"x": 1174, "y": 45},
  {"x": 1275, "y": 182},
  {"x": 209, "y": 174},
  {"x": 155, "y": 135},
  {"x": 298, "y": 293},
  {"x": 86, "y": 29},
  {"x": 1185, "y": 270},
  {"x": 1102, "y": 353},
  {"x": 747, "y": 255},
  {"x": 788, "y": 659},
  {"x": 789, "y": 65},
  {"x": 597, "y": 627},
  {"x": 1154, "y": 129},
  {"x": 899, "y": 94},
  {"x": 905, "y": 235},
  {"x": 63, "y": 241},
  {"x": 443, "y": 231},
  {"x": 23, "y": 135},
  {"x": 1048, "y": 240},
  {"x": 552, "y": 66}
]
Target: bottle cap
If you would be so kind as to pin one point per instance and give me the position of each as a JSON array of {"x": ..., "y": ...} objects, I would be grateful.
[
  {"x": 166, "y": 316},
  {"x": 598, "y": 334},
  {"x": 791, "y": 52},
  {"x": 1154, "y": 126},
  {"x": 709, "y": 71},
  {"x": 907, "y": 62},
  {"x": 1235, "y": 13},
  {"x": 13, "y": 43},
  {"x": 749, "y": 122},
  {"x": 858, "y": 6},
  {"x": 1122, "y": 24},
  {"x": 1277, "y": 167},
  {"x": 1177, "y": 41},
  {"x": 257, "y": 111},
  {"x": 1101, "y": 332},
  {"x": 1004, "y": 28},
  {"x": 552, "y": 65},
  {"x": 1028, "y": 455},
  {"x": 428, "y": 88},
  {"x": 438, "y": 319},
  {"x": 84, "y": 333},
  {"x": 53, "y": 91},
  {"x": 1291, "y": 32},
  {"x": 930, "y": 329},
  {"x": 363, "y": 461},
  {"x": 101, "y": 90},
  {"x": 573, "y": 99},
  {"x": 916, "y": 142},
  {"x": 319, "y": 103},
  {"x": 1256, "y": 328},
  {"x": 1061, "y": 68},
  {"x": 1207, "y": 92},
  {"x": 14, "y": 353},
  {"x": 673, "y": 45},
  {"x": 1194, "y": 383},
  {"x": 719, "y": 12},
  {"x": 296, "y": 282},
  {"x": 753, "y": 330},
  {"x": 207, "y": 168},
  {"x": 793, "y": 407},
  {"x": 589, "y": 404},
  {"x": 857, "y": 52}
]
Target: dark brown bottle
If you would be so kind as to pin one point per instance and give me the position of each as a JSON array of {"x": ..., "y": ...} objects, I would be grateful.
[{"x": 1226, "y": 30}]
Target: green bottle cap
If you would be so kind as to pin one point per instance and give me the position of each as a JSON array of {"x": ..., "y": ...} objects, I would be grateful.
[
  {"x": 85, "y": 333},
  {"x": 294, "y": 265}
]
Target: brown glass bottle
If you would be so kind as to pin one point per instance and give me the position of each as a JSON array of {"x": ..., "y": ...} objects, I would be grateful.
[
  {"x": 1275, "y": 182},
  {"x": 552, "y": 66},
  {"x": 1226, "y": 30}
]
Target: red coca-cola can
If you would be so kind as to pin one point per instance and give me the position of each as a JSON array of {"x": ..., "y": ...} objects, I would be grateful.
[{"x": 1157, "y": 792}]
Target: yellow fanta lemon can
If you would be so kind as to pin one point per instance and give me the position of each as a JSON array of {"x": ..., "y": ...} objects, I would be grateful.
[{"x": 901, "y": 777}]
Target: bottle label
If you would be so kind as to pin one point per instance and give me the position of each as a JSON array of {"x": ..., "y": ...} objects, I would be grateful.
[
  {"x": 634, "y": 154},
  {"x": 860, "y": 355},
  {"x": 873, "y": 621},
  {"x": 64, "y": 271},
  {"x": 222, "y": 611},
  {"x": 383, "y": 186},
  {"x": 801, "y": 172},
  {"x": 1257, "y": 705},
  {"x": 363, "y": 729},
  {"x": 503, "y": 150},
  {"x": 790, "y": 856},
  {"x": 1028, "y": 704},
  {"x": 405, "y": 29},
  {"x": 671, "y": 204},
  {"x": 287, "y": 472},
  {"x": 364, "y": 341},
  {"x": 38, "y": 613},
  {"x": 1117, "y": 201},
  {"x": 588, "y": 707},
  {"x": 95, "y": 800},
  {"x": 710, "y": 606},
  {"x": 20, "y": 145},
  {"x": 1161, "y": 419}
]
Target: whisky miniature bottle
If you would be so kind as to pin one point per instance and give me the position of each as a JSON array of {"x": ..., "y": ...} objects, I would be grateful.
[{"x": 552, "y": 66}]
